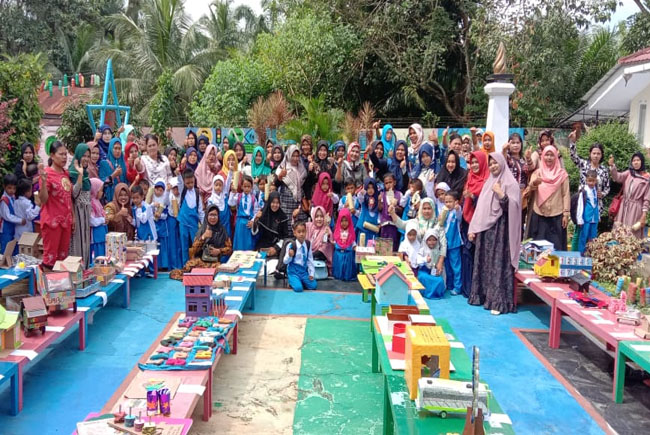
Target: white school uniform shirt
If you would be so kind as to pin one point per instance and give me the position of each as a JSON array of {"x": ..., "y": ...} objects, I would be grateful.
[
  {"x": 145, "y": 217},
  {"x": 303, "y": 257},
  {"x": 164, "y": 200},
  {"x": 357, "y": 207},
  {"x": 411, "y": 250},
  {"x": 191, "y": 198},
  {"x": 97, "y": 221},
  {"x": 24, "y": 209}
]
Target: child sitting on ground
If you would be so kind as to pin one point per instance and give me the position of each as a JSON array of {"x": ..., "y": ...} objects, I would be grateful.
[
  {"x": 431, "y": 258},
  {"x": 300, "y": 261},
  {"x": 25, "y": 208}
]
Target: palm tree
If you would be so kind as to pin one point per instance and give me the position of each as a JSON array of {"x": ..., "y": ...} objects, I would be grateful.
[
  {"x": 78, "y": 52},
  {"x": 162, "y": 39},
  {"x": 222, "y": 25},
  {"x": 274, "y": 10}
]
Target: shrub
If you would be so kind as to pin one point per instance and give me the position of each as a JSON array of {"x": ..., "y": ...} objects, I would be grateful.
[
  {"x": 75, "y": 126},
  {"x": 162, "y": 106}
]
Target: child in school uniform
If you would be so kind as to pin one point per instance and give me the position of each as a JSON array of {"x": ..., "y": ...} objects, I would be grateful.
[
  {"x": 145, "y": 226},
  {"x": 369, "y": 210},
  {"x": 410, "y": 199},
  {"x": 343, "y": 265},
  {"x": 355, "y": 209},
  {"x": 450, "y": 219},
  {"x": 389, "y": 198},
  {"x": 245, "y": 203},
  {"x": 441, "y": 191},
  {"x": 172, "y": 225},
  {"x": 300, "y": 260},
  {"x": 219, "y": 197},
  {"x": 431, "y": 257},
  {"x": 409, "y": 248},
  {"x": 190, "y": 214},
  {"x": 7, "y": 212},
  {"x": 588, "y": 210},
  {"x": 97, "y": 219},
  {"x": 24, "y": 207},
  {"x": 160, "y": 204}
]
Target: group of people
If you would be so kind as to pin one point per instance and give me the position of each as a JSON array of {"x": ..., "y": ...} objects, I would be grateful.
[{"x": 452, "y": 210}]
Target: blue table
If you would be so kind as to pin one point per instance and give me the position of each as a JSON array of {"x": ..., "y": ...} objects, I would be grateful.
[
  {"x": 94, "y": 302},
  {"x": 9, "y": 370},
  {"x": 19, "y": 274},
  {"x": 244, "y": 290}
]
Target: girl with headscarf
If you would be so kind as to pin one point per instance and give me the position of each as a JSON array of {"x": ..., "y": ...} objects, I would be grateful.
[
  {"x": 399, "y": 166},
  {"x": 119, "y": 216},
  {"x": 409, "y": 247},
  {"x": 172, "y": 155},
  {"x": 323, "y": 162},
  {"x": 431, "y": 256},
  {"x": 97, "y": 219},
  {"x": 201, "y": 146},
  {"x": 190, "y": 160},
  {"x": 452, "y": 174},
  {"x": 416, "y": 136},
  {"x": 343, "y": 265},
  {"x": 134, "y": 166},
  {"x": 487, "y": 143},
  {"x": 206, "y": 171},
  {"x": 496, "y": 232},
  {"x": 425, "y": 170},
  {"x": 219, "y": 197},
  {"x": 551, "y": 207},
  {"x": 426, "y": 218},
  {"x": 319, "y": 234},
  {"x": 93, "y": 166},
  {"x": 271, "y": 226},
  {"x": 368, "y": 220},
  {"x": 292, "y": 174},
  {"x": 112, "y": 170},
  {"x": 191, "y": 141},
  {"x": 636, "y": 194},
  {"x": 377, "y": 160},
  {"x": 352, "y": 168},
  {"x": 339, "y": 152},
  {"x": 323, "y": 195},
  {"x": 242, "y": 158},
  {"x": 27, "y": 156},
  {"x": 388, "y": 139},
  {"x": 80, "y": 242},
  {"x": 259, "y": 166},
  {"x": 104, "y": 140},
  {"x": 277, "y": 156}
]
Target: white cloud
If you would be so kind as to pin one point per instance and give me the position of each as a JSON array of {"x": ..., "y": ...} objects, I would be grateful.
[{"x": 197, "y": 8}]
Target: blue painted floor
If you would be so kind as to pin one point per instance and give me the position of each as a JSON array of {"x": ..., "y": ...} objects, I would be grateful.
[{"x": 68, "y": 384}]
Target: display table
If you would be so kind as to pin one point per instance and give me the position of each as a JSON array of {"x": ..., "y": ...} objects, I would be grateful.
[
  {"x": 636, "y": 351},
  {"x": 131, "y": 268},
  {"x": 9, "y": 372},
  {"x": 373, "y": 263},
  {"x": 400, "y": 413},
  {"x": 58, "y": 324},
  {"x": 97, "y": 300},
  {"x": 186, "y": 422},
  {"x": 10, "y": 276}
]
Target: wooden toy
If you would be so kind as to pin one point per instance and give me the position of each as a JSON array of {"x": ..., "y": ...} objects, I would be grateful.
[
  {"x": 427, "y": 350},
  {"x": 59, "y": 294},
  {"x": 118, "y": 417},
  {"x": 444, "y": 396},
  {"x": 6, "y": 259},
  {"x": 74, "y": 266},
  {"x": 401, "y": 313},
  {"x": 363, "y": 251},
  {"x": 103, "y": 272},
  {"x": 229, "y": 268},
  {"x": 532, "y": 249},
  {"x": 383, "y": 246},
  {"x": 9, "y": 332},
  {"x": 34, "y": 314},
  {"x": 198, "y": 294},
  {"x": 643, "y": 330},
  {"x": 116, "y": 246},
  {"x": 580, "y": 282},
  {"x": 392, "y": 286},
  {"x": 28, "y": 244},
  {"x": 561, "y": 264}
]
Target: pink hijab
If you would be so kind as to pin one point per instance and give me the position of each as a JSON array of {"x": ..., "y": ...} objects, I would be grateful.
[
  {"x": 320, "y": 197},
  {"x": 344, "y": 212},
  {"x": 488, "y": 208},
  {"x": 420, "y": 136},
  {"x": 316, "y": 235},
  {"x": 552, "y": 176},
  {"x": 204, "y": 173},
  {"x": 95, "y": 185}
]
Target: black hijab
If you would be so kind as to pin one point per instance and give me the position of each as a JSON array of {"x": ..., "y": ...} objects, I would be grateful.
[
  {"x": 219, "y": 235},
  {"x": 395, "y": 168},
  {"x": 274, "y": 222},
  {"x": 455, "y": 179},
  {"x": 325, "y": 164},
  {"x": 641, "y": 172}
]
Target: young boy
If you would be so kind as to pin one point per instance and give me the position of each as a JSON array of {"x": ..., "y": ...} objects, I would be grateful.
[
  {"x": 24, "y": 208},
  {"x": 300, "y": 260},
  {"x": 190, "y": 213},
  {"x": 450, "y": 221},
  {"x": 411, "y": 198},
  {"x": 355, "y": 208},
  {"x": 588, "y": 212},
  {"x": 7, "y": 213},
  {"x": 172, "y": 225},
  {"x": 143, "y": 215},
  {"x": 160, "y": 206}
]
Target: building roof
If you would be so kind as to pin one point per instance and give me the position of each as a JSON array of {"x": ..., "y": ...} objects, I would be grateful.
[
  {"x": 28, "y": 238},
  {"x": 55, "y": 105},
  {"x": 388, "y": 271},
  {"x": 35, "y": 306},
  {"x": 203, "y": 271},
  {"x": 200, "y": 280},
  {"x": 642, "y": 55}
]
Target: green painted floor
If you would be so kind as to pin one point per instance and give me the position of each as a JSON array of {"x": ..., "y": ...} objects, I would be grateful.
[{"x": 337, "y": 393}]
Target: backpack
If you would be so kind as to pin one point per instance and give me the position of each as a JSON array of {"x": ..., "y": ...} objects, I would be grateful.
[
  {"x": 574, "y": 205},
  {"x": 281, "y": 267}
]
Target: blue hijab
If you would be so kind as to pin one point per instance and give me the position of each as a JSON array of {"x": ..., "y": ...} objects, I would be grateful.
[
  {"x": 207, "y": 142},
  {"x": 425, "y": 149},
  {"x": 394, "y": 167},
  {"x": 103, "y": 146},
  {"x": 187, "y": 155},
  {"x": 389, "y": 145},
  {"x": 119, "y": 161},
  {"x": 367, "y": 182}
]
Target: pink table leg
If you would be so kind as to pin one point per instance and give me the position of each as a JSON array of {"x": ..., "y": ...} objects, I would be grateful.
[
  {"x": 556, "y": 326},
  {"x": 234, "y": 339},
  {"x": 207, "y": 397},
  {"x": 82, "y": 333},
  {"x": 20, "y": 387},
  {"x": 155, "y": 267}
]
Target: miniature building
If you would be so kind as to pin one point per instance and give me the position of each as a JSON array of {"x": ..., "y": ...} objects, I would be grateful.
[
  {"x": 72, "y": 265},
  {"x": 34, "y": 314},
  {"x": 9, "y": 333},
  {"x": 580, "y": 282},
  {"x": 531, "y": 250},
  {"x": 392, "y": 286},
  {"x": 562, "y": 264},
  {"x": 547, "y": 265},
  {"x": 59, "y": 293},
  {"x": 427, "y": 351},
  {"x": 198, "y": 294},
  {"x": 28, "y": 244}
]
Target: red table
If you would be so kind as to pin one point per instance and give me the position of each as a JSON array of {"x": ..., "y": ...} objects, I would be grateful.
[
  {"x": 182, "y": 404},
  {"x": 57, "y": 324}
]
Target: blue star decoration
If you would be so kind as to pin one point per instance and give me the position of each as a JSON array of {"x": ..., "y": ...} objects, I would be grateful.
[{"x": 109, "y": 88}]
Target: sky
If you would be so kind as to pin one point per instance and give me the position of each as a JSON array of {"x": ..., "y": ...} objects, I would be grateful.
[{"x": 198, "y": 8}]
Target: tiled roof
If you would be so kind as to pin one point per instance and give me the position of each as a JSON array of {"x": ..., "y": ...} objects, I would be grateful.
[
  {"x": 642, "y": 55},
  {"x": 197, "y": 280}
]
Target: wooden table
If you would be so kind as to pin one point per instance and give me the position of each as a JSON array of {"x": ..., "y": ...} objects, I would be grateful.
[
  {"x": 401, "y": 414},
  {"x": 58, "y": 324},
  {"x": 10, "y": 276},
  {"x": 636, "y": 351}
]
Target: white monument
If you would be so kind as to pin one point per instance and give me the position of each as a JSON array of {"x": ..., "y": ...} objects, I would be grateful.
[{"x": 499, "y": 91}]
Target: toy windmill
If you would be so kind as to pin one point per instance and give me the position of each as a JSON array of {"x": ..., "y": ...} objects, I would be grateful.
[{"x": 474, "y": 417}]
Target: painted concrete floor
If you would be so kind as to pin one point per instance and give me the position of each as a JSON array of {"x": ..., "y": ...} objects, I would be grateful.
[{"x": 68, "y": 384}]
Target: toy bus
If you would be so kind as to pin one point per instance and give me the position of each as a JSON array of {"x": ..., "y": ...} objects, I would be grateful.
[{"x": 445, "y": 396}]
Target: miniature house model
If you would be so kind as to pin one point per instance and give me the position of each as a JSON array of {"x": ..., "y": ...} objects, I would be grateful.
[
  {"x": 198, "y": 294},
  {"x": 34, "y": 314},
  {"x": 547, "y": 266},
  {"x": 28, "y": 244},
  {"x": 427, "y": 351},
  {"x": 9, "y": 333},
  {"x": 392, "y": 286},
  {"x": 72, "y": 265}
]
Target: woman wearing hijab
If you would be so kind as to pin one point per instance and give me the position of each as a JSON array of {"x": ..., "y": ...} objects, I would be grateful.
[
  {"x": 636, "y": 194},
  {"x": 242, "y": 158},
  {"x": 191, "y": 141},
  {"x": 551, "y": 207},
  {"x": 292, "y": 174},
  {"x": 388, "y": 140},
  {"x": 323, "y": 195},
  {"x": 399, "y": 166},
  {"x": 416, "y": 136},
  {"x": 104, "y": 140},
  {"x": 202, "y": 145},
  {"x": 477, "y": 175},
  {"x": 206, "y": 171},
  {"x": 81, "y": 238},
  {"x": 93, "y": 165},
  {"x": 27, "y": 156},
  {"x": 277, "y": 156},
  {"x": 134, "y": 166},
  {"x": 426, "y": 219},
  {"x": 112, "y": 170},
  {"x": 272, "y": 226},
  {"x": 452, "y": 174},
  {"x": 352, "y": 168},
  {"x": 172, "y": 155},
  {"x": 425, "y": 170},
  {"x": 119, "y": 216},
  {"x": 496, "y": 231},
  {"x": 259, "y": 166},
  {"x": 378, "y": 161},
  {"x": 339, "y": 152},
  {"x": 488, "y": 143},
  {"x": 319, "y": 234}
]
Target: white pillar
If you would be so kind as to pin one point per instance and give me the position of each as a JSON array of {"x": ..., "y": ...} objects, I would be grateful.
[{"x": 498, "y": 115}]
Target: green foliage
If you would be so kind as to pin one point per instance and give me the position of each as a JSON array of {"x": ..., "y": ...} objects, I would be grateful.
[
  {"x": 20, "y": 79},
  {"x": 315, "y": 119},
  {"x": 637, "y": 35},
  {"x": 227, "y": 93},
  {"x": 162, "y": 106},
  {"x": 75, "y": 127}
]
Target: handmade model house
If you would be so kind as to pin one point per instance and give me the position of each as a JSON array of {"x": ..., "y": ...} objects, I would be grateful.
[
  {"x": 392, "y": 286},
  {"x": 562, "y": 264},
  {"x": 9, "y": 332},
  {"x": 59, "y": 294},
  {"x": 198, "y": 294},
  {"x": 34, "y": 314},
  {"x": 72, "y": 265},
  {"x": 427, "y": 353},
  {"x": 580, "y": 282},
  {"x": 28, "y": 244},
  {"x": 532, "y": 249},
  {"x": 643, "y": 330},
  {"x": 547, "y": 266}
]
